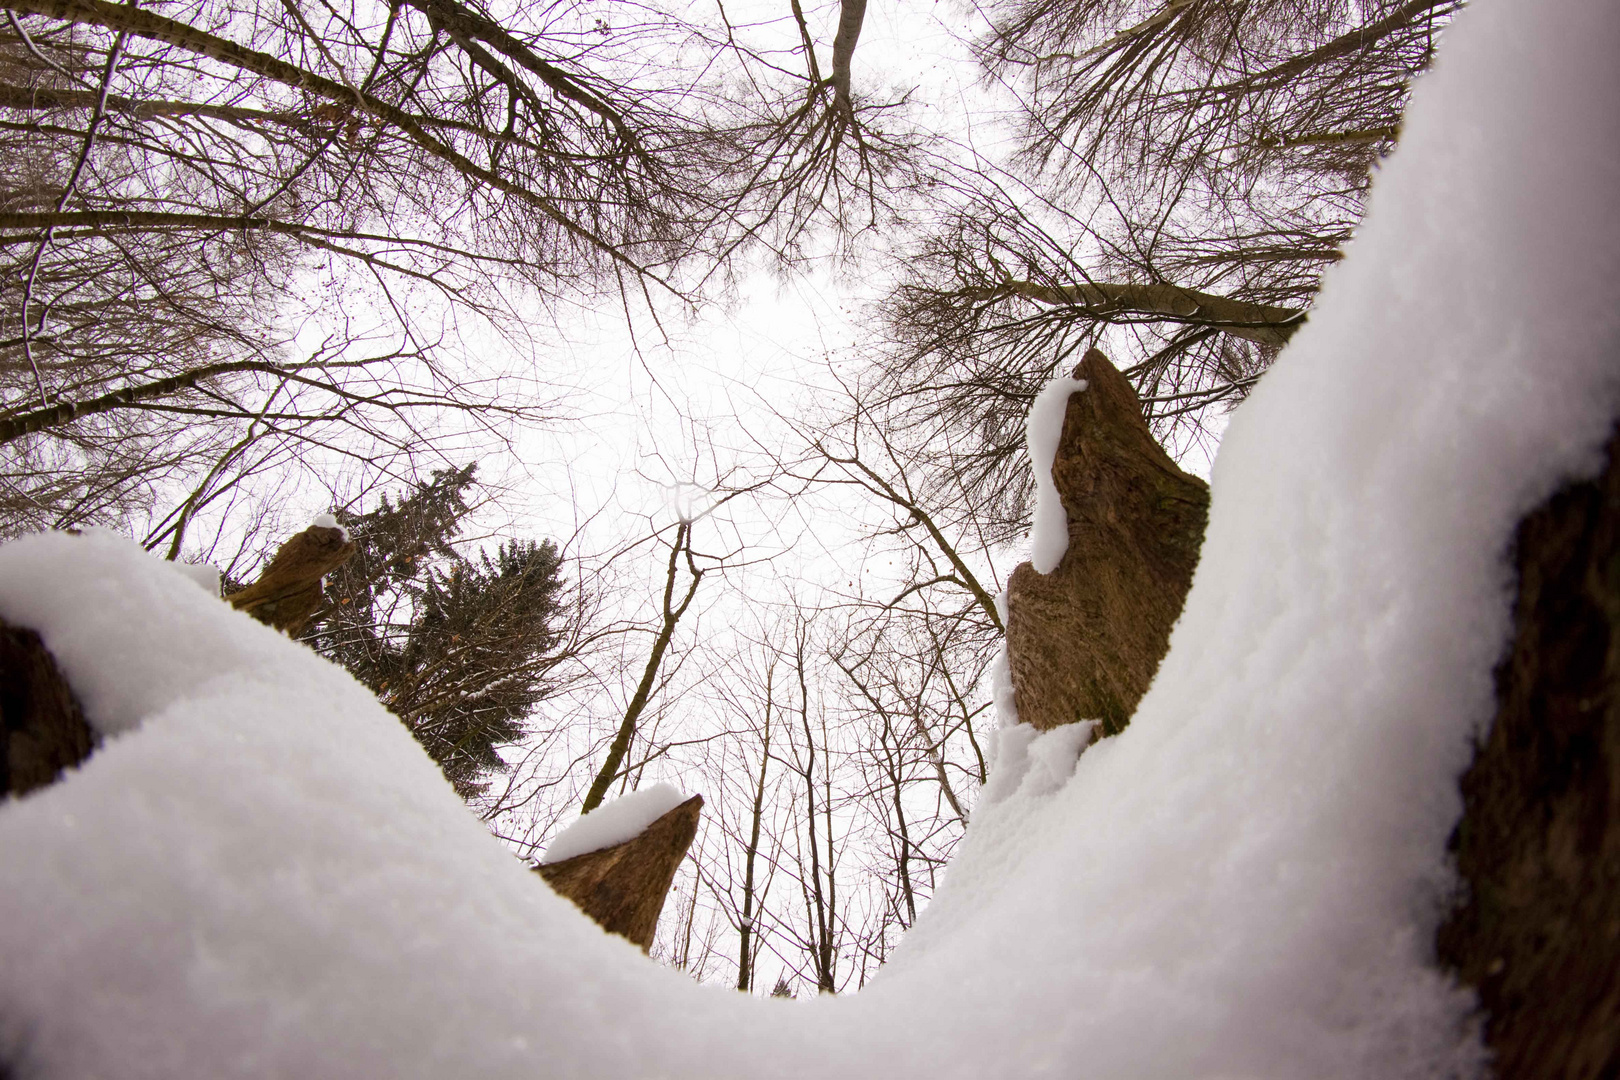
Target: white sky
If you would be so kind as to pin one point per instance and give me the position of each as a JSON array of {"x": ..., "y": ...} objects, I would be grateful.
[{"x": 646, "y": 397}]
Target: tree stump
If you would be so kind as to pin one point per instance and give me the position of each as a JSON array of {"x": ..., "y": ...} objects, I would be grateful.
[
  {"x": 42, "y": 728},
  {"x": 623, "y": 887},
  {"x": 1538, "y": 847},
  {"x": 289, "y": 591},
  {"x": 1084, "y": 641}
]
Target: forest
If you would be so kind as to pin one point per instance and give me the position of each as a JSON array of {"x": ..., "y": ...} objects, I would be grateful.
[{"x": 826, "y": 410}]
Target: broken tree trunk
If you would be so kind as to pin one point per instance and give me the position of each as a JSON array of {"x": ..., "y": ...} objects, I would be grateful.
[
  {"x": 1538, "y": 847},
  {"x": 623, "y": 887},
  {"x": 42, "y": 727},
  {"x": 1084, "y": 641},
  {"x": 289, "y": 591}
]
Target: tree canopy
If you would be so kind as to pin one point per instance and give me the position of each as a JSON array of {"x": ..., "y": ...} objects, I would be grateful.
[
  {"x": 1183, "y": 173},
  {"x": 260, "y": 255}
]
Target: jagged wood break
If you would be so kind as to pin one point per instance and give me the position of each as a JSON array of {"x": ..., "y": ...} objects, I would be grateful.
[
  {"x": 623, "y": 887},
  {"x": 1084, "y": 641}
]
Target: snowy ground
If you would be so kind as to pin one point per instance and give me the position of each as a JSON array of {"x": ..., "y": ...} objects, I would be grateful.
[{"x": 260, "y": 874}]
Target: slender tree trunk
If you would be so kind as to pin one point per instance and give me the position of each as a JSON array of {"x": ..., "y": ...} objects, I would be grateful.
[
  {"x": 649, "y": 677},
  {"x": 745, "y": 954},
  {"x": 829, "y": 927},
  {"x": 820, "y": 923},
  {"x": 684, "y": 961},
  {"x": 896, "y": 771}
]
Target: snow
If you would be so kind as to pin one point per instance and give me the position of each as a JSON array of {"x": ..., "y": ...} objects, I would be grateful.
[
  {"x": 614, "y": 822},
  {"x": 260, "y": 874},
  {"x": 1043, "y": 429},
  {"x": 1002, "y": 695},
  {"x": 206, "y": 575},
  {"x": 1032, "y": 763}
]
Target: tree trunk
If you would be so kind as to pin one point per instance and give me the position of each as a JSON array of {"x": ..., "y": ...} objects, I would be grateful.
[
  {"x": 745, "y": 928},
  {"x": 620, "y": 746},
  {"x": 1538, "y": 933},
  {"x": 42, "y": 727},
  {"x": 623, "y": 887},
  {"x": 1262, "y": 324},
  {"x": 1084, "y": 641}
]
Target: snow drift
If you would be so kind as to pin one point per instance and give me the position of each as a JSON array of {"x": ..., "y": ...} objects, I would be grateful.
[{"x": 259, "y": 874}]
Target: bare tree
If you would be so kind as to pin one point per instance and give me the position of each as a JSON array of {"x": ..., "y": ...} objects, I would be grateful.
[
  {"x": 671, "y": 611},
  {"x": 818, "y": 865},
  {"x": 735, "y": 857},
  {"x": 753, "y": 892},
  {"x": 189, "y": 190}
]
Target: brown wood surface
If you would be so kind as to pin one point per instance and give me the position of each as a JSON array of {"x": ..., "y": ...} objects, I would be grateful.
[
  {"x": 42, "y": 728},
  {"x": 289, "y": 593},
  {"x": 1084, "y": 641},
  {"x": 1538, "y": 933},
  {"x": 623, "y": 887}
]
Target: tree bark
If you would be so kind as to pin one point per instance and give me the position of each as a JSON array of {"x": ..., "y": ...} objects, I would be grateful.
[
  {"x": 623, "y": 887},
  {"x": 851, "y": 16},
  {"x": 1262, "y": 324},
  {"x": 1538, "y": 847},
  {"x": 15, "y": 427},
  {"x": 42, "y": 728},
  {"x": 1084, "y": 641}
]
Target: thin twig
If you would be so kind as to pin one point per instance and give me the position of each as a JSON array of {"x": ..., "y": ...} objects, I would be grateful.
[{"x": 61, "y": 205}]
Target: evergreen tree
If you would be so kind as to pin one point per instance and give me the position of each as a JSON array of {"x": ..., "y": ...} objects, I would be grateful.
[{"x": 458, "y": 648}]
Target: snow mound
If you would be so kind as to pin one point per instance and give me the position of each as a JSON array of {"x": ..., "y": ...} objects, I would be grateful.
[
  {"x": 1002, "y": 696},
  {"x": 260, "y": 874},
  {"x": 614, "y": 822},
  {"x": 206, "y": 575},
  {"x": 1031, "y": 762}
]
